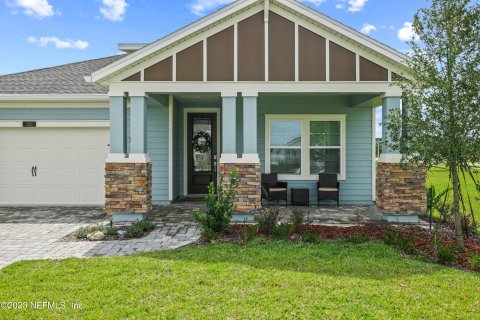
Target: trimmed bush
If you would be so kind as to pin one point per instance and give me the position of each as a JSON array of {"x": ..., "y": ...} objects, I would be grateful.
[
  {"x": 81, "y": 233},
  {"x": 310, "y": 237},
  {"x": 267, "y": 220},
  {"x": 249, "y": 233},
  {"x": 299, "y": 218},
  {"x": 282, "y": 232}
]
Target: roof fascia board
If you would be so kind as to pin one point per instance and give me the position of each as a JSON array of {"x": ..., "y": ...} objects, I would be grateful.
[
  {"x": 170, "y": 39},
  {"x": 55, "y": 97},
  {"x": 345, "y": 30}
]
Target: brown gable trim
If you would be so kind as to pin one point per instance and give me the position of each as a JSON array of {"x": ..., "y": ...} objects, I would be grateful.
[
  {"x": 161, "y": 71},
  {"x": 190, "y": 63},
  {"x": 281, "y": 48},
  {"x": 220, "y": 56},
  {"x": 251, "y": 49},
  {"x": 134, "y": 77},
  {"x": 370, "y": 71},
  {"x": 342, "y": 64},
  {"x": 311, "y": 56}
]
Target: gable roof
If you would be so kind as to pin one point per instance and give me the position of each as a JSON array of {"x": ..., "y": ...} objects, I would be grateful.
[
  {"x": 224, "y": 13},
  {"x": 64, "y": 79}
]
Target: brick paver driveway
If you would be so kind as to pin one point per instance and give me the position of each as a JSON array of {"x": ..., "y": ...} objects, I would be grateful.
[{"x": 34, "y": 233}]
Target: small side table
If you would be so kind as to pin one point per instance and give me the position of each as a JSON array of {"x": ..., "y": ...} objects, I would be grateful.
[{"x": 300, "y": 197}]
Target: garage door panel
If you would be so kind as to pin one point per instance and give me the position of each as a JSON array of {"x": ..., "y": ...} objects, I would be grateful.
[{"x": 70, "y": 165}]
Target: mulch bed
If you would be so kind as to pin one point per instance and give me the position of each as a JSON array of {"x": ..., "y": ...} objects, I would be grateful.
[
  {"x": 72, "y": 238},
  {"x": 422, "y": 238}
]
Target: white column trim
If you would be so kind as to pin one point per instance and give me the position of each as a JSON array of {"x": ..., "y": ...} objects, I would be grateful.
[
  {"x": 327, "y": 60},
  {"x": 235, "y": 52},
  {"x": 297, "y": 71},
  {"x": 389, "y": 75},
  {"x": 266, "y": 17},
  {"x": 174, "y": 67},
  {"x": 132, "y": 158},
  {"x": 170, "y": 148},
  {"x": 357, "y": 67},
  {"x": 205, "y": 61}
]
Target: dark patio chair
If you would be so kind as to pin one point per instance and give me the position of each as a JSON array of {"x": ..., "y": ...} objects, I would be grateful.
[
  {"x": 274, "y": 190},
  {"x": 328, "y": 188}
]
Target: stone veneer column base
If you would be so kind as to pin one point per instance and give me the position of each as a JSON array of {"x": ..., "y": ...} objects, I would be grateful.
[
  {"x": 248, "y": 192},
  {"x": 128, "y": 191},
  {"x": 401, "y": 193}
]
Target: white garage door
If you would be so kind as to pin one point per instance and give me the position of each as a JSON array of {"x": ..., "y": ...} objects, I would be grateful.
[{"x": 69, "y": 166}]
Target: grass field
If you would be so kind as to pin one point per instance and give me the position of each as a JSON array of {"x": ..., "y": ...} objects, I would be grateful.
[
  {"x": 439, "y": 177},
  {"x": 278, "y": 280}
]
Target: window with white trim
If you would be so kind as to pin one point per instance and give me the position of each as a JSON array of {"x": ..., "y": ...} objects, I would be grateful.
[{"x": 298, "y": 147}]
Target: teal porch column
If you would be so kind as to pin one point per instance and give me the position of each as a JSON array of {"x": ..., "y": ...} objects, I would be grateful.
[
  {"x": 138, "y": 126},
  {"x": 229, "y": 143},
  {"x": 250, "y": 125},
  {"x": 389, "y": 104},
  {"x": 118, "y": 126}
]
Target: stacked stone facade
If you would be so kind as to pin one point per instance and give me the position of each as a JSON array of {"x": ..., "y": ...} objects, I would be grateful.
[
  {"x": 248, "y": 192},
  {"x": 401, "y": 191},
  {"x": 128, "y": 188}
]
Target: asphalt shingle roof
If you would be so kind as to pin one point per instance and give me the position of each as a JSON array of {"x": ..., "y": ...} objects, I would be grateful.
[{"x": 64, "y": 79}]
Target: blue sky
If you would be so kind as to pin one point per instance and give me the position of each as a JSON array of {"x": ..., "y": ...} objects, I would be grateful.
[{"x": 41, "y": 33}]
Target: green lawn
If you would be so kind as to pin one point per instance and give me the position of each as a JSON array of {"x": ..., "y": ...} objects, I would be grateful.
[
  {"x": 439, "y": 178},
  {"x": 329, "y": 280}
]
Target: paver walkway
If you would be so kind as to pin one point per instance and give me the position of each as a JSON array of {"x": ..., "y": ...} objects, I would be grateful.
[{"x": 34, "y": 233}]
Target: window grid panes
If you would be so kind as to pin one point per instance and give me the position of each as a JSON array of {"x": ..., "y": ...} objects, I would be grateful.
[
  {"x": 286, "y": 147},
  {"x": 325, "y": 147}
]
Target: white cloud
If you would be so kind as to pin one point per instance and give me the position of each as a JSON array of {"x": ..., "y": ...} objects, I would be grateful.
[
  {"x": 367, "y": 28},
  {"x": 35, "y": 8},
  {"x": 59, "y": 44},
  {"x": 314, "y": 2},
  {"x": 201, "y": 7},
  {"x": 407, "y": 33},
  {"x": 114, "y": 10},
  {"x": 339, "y": 6},
  {"x": 356, "y": 5}
]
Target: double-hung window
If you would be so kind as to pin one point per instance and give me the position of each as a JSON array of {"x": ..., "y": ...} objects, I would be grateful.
[{"x": 298, "y": 147}]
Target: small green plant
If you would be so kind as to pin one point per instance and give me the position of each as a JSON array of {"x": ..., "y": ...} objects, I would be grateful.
[
  {"x": 146, "y": 225},
  {"x": 135, "y": 230},
  {"x": 474, "y": 261},
  {"x": 267, "y": 219},
  {"x": 299, "y": 218},
  {"x": 249, "y": 233},
  {"x": 445, "y": 253},
  {"x": 358, "y": 238},
  {"x": 109, "y": 231},
  {"x": 81, "y": 233},
  {"x": 282, "y": 232},
  {"x": 310, "y": 237},
  {"x": 209, "y": 235},
  {"x": 403, "y": 242},
  {"x": 220, "y": 205}
]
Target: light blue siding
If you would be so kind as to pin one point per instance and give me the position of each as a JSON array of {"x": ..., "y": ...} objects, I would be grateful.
[
  {"x": 357, "y": 188},
  {"x": 54, "y": 114}
]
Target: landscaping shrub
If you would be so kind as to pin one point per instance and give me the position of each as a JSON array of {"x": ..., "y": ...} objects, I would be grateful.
[
  {"x": 220, "y": 206},
  {"x": 299, "y": 218},
  {"x": 474, "y": 261},
  {"x": 135, "y": 230},
  {"x": 81, "y": 233},
  {"x": 208, "y": 234},
  {"x": 249, "y": 233},
  {"x": 444, "y": 253},
  {"x": 282, "y": 232},
  {"x": 358, "y": 238},
  {"x": 109, "y": 231},
  {"x": 267, "y": 219},
  {"x": 310, "y": 237},
  {"x": 402, "y": 242},
  {"x": 146, "y": 225}
]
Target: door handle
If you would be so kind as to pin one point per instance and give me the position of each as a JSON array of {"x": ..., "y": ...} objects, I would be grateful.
[
  {"x": 35, "y": 171},
  {"x": 33, "y": 175}
]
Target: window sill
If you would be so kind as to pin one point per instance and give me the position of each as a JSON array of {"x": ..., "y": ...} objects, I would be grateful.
[{"x": 294, "y": 177}]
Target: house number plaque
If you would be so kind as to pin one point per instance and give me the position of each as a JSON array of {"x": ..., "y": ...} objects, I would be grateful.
[{"x": 29, "y": 124}]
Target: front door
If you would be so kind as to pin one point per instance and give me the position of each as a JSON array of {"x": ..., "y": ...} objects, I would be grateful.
[{"x": 202, "y": 151}]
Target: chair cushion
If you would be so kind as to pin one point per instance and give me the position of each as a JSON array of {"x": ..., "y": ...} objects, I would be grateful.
[
  {"x": 327, "y": 189},
  {"x": 277, "y": 189}
]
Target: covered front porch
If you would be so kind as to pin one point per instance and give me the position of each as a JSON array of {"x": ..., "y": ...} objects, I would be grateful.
[{"x": 181, "y": 142}]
